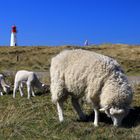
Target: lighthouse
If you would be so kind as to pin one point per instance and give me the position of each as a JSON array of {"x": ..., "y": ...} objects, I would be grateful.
[{"x": 13, "y": 41}]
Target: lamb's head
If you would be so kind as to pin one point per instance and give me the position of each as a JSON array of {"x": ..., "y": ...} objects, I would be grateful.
[
  {"x": 116, "y": 114},
  {"x": 45, "y": 88},
  {"x": 1, "y": 76},
  {"x": 6, "y": 88}
]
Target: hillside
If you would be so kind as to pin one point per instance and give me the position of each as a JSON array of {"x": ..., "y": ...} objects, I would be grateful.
[
  {"x": 38, "y": 58},
  {"x": 36, "y": 119}
]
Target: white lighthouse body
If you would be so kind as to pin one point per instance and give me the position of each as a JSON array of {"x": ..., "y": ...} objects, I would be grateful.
[{"x": 13, "y": 41}]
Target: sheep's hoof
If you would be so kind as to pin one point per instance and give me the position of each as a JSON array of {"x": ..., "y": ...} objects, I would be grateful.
[
  {"x": 61, "y": 121},
  {"x": 83, "y": 119},
  {"x": 96, "y": 125}
]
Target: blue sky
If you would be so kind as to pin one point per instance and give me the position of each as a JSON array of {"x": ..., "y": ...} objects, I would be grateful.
[{"x": 70, "y": 22}]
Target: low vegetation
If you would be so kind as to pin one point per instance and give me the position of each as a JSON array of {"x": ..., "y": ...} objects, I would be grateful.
[
  {"x": 37, "y": 118},
  {"x": 38, "y": 58}
]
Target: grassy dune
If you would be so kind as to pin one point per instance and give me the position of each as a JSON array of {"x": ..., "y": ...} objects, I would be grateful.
[
  {"x": 37, "y": 119},
  {"x": 38, "y": 58}
]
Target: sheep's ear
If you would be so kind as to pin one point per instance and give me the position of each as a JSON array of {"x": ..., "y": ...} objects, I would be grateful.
[
  {"x": 120, "y": 111},
  {"x": 7, "y": 86},
  {"x": 114, "y": 111},
  {"x": 130, "y": 107},
  {"x": 102, "y": 109}
]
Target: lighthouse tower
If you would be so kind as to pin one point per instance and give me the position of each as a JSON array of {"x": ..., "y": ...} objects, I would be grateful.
[{"x": 13, "y": 36}]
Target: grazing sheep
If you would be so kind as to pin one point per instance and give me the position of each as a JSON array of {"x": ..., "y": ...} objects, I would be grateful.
[
  {"x": 97, "y": 78},
  {"x": 31, "y": 80},
  {"x": 3, "y": 86}
]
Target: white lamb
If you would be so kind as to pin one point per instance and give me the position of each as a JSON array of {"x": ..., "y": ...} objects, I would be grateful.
[
  {"x": 98, "y": 78},
  {"x": 30, "y": 78},
  {"x": 3, "y": 86}
]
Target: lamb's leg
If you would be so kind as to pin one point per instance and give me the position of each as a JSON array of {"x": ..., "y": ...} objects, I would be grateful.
[
  {"x": 77, "y": 107},
  {"x": 60, "y": 111},
  {"x": 96, "y": 117},
  {"x": 1, "y": 94},
  {"x": 21, "y": 89},
  {"x": 33, "y": 92},
  {"x": 15, "y": 89},
  {"x": 29, "y": 90}
]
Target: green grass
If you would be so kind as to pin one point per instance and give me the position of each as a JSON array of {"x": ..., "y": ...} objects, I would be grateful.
[{"x": 36, "y": 119}]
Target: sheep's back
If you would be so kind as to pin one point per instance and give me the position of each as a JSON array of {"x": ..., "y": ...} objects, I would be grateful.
[{"x": 80, "y": 69}]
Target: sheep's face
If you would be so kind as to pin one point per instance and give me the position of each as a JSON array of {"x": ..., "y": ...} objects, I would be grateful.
[{"x": 117, "y": 115}]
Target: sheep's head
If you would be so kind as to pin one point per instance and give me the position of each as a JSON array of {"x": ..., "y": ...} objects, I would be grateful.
[{"x": 116, "y": 114}]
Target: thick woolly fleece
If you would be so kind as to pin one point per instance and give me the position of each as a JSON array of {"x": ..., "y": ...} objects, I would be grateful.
[{"x": 84, "y": 73}]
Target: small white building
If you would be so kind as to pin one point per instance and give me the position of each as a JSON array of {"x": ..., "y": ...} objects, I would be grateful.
[{"x": 86, "y": 43}]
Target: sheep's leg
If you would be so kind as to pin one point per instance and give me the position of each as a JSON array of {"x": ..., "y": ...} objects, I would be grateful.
[
  {"x": 60, "y": 111},
  {"x": 29, "y": 90},
  {"x": 96, "y": 117},
  {"x": 77, "y": 107},
  {"x": 21, "y": 89},
  {"x": 90, "y": 99},
  {"x": 15, "y": 89}
]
